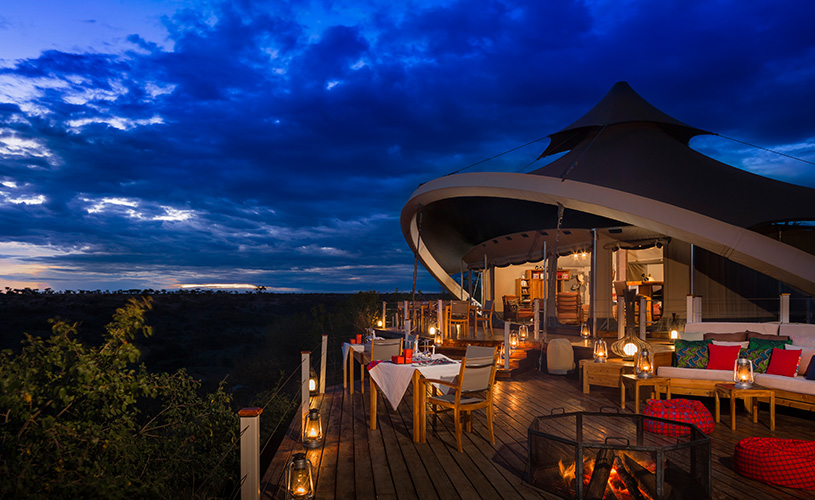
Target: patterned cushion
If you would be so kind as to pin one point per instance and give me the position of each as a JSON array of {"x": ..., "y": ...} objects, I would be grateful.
[
  {"x": 759, "y": 357},
  {"x": 692, "y": 354},
  {"x": 768, "y": 344},
  {"x": 784, "y": 462},
  {"x": 681, "y": 410}
]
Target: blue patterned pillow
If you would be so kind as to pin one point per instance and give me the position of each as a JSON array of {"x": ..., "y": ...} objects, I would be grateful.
[
  {"x": 692, "y": 354},
  {"x": 760, "y": 358}
]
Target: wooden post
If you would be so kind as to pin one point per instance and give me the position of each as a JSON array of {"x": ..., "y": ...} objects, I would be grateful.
[
  {"x": 384, "y": 317},
  {"x": 643, "y": 316},
  {"x": 536, "y": 319},
  {"x": 785, "y": 308},
  {"x": 324, "y": 363},
  {"x": 440, "y": 317},
  {"x": 305, "y": 364},
  {"x": 250, "y": 452},
  {"x": 507, "y": 348},
  {"x": 621, "y": 305}
]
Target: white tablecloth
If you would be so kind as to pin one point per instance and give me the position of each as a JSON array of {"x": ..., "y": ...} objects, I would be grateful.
[
  {"x": 356, "y": 347},
  {"x": 394, "y": 379}
]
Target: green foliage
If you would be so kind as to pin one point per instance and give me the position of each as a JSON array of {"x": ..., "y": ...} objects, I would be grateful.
[{"x": 87, "y": 422}]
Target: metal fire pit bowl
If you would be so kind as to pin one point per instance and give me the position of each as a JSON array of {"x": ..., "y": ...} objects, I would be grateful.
[{"x": 681, "y": 465}]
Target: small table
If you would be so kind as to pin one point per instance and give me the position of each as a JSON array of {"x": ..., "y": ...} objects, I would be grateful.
[
  {"x": 604, "y": 374},
  {"x": 750, "y": 397},
  {"x": 655, "y": 382}
]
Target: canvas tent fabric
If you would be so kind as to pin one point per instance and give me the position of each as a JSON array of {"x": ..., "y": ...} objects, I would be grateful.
[{"x": 628, "y": 165}]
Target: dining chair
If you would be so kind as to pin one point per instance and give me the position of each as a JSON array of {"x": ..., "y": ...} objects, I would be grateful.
[
  {"x": 484, "y": 316},
  {"x": 381, "y": 350},
  {"x": 471, "y": 390},
  {"x": 458, "y": 313}
]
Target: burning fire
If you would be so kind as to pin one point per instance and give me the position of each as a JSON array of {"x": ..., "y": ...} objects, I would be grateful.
[{"x": 615, "y": 483}]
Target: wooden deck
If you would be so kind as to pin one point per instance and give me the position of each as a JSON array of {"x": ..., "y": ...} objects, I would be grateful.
[{"x": 356, "y": 462}]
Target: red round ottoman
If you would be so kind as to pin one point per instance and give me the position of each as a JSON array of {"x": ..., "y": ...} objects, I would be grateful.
[
  {"x": 783, "y": 462},
  {"x": 681, "y": 410}
]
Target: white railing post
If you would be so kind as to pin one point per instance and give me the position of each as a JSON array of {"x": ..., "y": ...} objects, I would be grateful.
[
  {"x": 697, "y": 309},
  {"x": 405, "y": 314},
  {"x": 785, "y": 308},
  {"x": 643, "y": 316},
  {"x": 407, "y": 331},
  {"x": 305, "y": 365},
  {"x": 323, "y": 363},
  {"x": 536, "y": 320},
  {"x": 250, "y": 452},
  {"x": 507, "y": 348},
  {"x": 689, "y": 308}
]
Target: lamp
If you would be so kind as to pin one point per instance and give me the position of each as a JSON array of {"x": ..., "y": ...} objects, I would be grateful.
[
  {"x": 379, "y": 324},
  {"x": 438, "y": 338},
  {"x": 585, "y": 333},
  {"x": 513, "y": 340},
  {"x": 299, "y": 481},
  {"x": 312, "y": 382},
  {"x": 644, "y": 365},
  {"x": 523, "y": 332},
  {"x": 674, "y": 327},
  {"x": 313, "y": 429},
  {"x": 743, "y": 373},
  {"x": 500, "y": 360},
  {"x": 628, "y": 346},
  {"x": 600, "y": 351}
]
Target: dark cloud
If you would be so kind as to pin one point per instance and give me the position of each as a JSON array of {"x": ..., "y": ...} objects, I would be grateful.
[{"x": 265, "y": 142}]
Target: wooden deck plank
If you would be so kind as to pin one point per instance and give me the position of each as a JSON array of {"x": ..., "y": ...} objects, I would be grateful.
[{"x": 392, "y": 466}]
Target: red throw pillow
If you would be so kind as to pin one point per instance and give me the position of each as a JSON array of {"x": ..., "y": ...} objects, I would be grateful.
[
  {"x": 722, "y": 357},
  {"x": 784, "y": 362}
]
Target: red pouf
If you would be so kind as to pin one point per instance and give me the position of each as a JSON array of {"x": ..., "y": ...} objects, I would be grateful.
[
  {"x": 783, "y": 462},
  {"x": 681, "y": 410}
]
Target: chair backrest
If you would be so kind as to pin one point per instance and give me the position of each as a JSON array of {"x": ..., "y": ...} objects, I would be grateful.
[
  {"x": 459, "y": 308},
  {"x": 385, "y": 349},
  {"x": 487, "y": 306},
  {"x": 477, "y": 351},
  {"x": 477, "y": 372}
]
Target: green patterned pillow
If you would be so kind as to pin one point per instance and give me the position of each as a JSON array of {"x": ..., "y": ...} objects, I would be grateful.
[
  {"x": 768, "y": 344},
  {"x": 692, "y": 354},
  {"x": 759, "y": 357}
]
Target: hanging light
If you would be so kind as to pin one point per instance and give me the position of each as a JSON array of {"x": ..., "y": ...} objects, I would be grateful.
[
  {"x": 513, "y": 340},
  {"x": 743, "y": 373},
  {"x": 313, "y": 429},
  {"x": 523, "y": 332},
  {"x": 299, "y": 480},
  {"x": 644, "y": 365},
  {"x": 600, "y": 351},
  {"x": 585, "y": 333},
  {"x": 628, "y": 346},
  {"x": 312, "y": 382}
]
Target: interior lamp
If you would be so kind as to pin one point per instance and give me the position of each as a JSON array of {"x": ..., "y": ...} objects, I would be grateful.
[
  {"x": 585, "y": 333},
  {"x": 600, "y": 351},
  {"x": 743, "y": 373},
  {"x": 674, "y": 328},
  {"x": 628, "y": 346},
  {"x": 313, "y": 429},
  {"x": 299, "y": 480},
  {"x": 644, "y": 364}
]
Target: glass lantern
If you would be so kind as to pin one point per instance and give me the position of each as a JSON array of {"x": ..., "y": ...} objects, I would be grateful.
[
  {"x": 674, "y": 328},
  {"x": 438, "y": 338},
  {"x": 299, "y": 480},
  {"x": 644, "y": 364},
  {"x": 312, "y": 382},
  {"x": 500, "y": 359},
  {"x": 523, "y": 332},
  {"x": 585, "y": 333},
  {"x": 743, "y": 373},
  {"x": 313, "y": 429},
  {"x": 513, "y": 340},
  {"x": 600, "y": 351}
]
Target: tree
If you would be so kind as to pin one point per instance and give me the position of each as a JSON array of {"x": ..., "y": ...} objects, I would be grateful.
[{"x": 88, "y": 422}]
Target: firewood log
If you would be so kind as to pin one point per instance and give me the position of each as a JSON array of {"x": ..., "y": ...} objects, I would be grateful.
[
  {"x": 646, "y": 480},
  {"x": 600, "y": 474}
]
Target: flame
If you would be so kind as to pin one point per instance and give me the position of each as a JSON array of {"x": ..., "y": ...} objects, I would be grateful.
[{"x": 615, "y": 483}]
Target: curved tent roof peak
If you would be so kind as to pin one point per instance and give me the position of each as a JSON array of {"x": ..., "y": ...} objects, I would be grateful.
[{"x": 622, "y": 104}]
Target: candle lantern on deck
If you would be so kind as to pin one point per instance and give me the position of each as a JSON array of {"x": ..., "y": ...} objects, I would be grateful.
[
  {"x": 313, "y": 429},
  {"x": 585, "y": 333},
  {"x": 500, "y": 359},
  {"x": 673, "y": 327},
  {"x": 312, "y": 382},
  {"x": 743, "y": 373},
  {"x": 436, "y": 333},
  {"x": 600, "y": 351},
  {"x": 513, "y": 340},
  {"x": 299, "y": 479},
  {"x": 523, "y": 332},
  {"x": 644, "y": 364}
]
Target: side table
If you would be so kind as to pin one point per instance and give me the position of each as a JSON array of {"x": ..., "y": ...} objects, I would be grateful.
[
  {"x": 750, "y": 397},
  {"x": 603, "y": 374},
  {"x": 655, "y": 382}
]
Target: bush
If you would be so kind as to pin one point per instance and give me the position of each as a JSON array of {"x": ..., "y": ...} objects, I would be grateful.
[{"x": 88, "y": 422}]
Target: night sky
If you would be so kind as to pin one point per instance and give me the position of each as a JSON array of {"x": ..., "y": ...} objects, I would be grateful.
[{"x": 155, "y": 143}]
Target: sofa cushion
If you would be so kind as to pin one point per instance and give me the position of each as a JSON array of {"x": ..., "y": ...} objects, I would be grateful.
[
  {"x": 768, "y": 344},
  {"x": 727, "y": 337},
  {"x": 810, "y": 375},
  {"x": 797, "y": 384},
  {"x": 691, "y": 354},
  {"x": 696, "y": 374},
  {"x": 806, "y": 356},
  {"x": 783, "y": 362},
  {"x": 756, "y": 335},
  {"x": 759, "y": 357},
  {"x": 722, "y": 357},
  {"x": 801, "y": 333}
]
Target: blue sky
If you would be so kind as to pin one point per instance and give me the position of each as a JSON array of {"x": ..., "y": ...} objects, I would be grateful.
[{"x": 150, "y": 144}]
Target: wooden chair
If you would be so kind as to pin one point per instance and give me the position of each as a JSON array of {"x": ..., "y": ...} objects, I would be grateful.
[
  {"x": 513, "y": 310},
  {"x": 458, "y": 313},
  {"x": 569, "y": 311},
  {"x": 381, "y": 350},
  {"x": 476, "y": 376},
  {"x": 483, "y": 315}
]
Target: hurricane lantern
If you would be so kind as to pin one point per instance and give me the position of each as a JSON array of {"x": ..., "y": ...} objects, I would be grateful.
[
  {"x": 585, "y": 333},
  {"x": 644, "y": 364},
  {"x": 674, "y": 327},
  {"x": 743, "y": 373},
  {"x": 600, "y": 351},
  {"x": 312, "y": 382},
  {"x": 523, "y": 332},
  {"x": 438, "y": 338},
  {"x": 313, "y": 429},
  {"x": 299, "y": 480},
  {"x": 513, "y": 340}
]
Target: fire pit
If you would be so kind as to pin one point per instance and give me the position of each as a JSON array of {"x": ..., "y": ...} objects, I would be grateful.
[{"x": 603, "y": 455}]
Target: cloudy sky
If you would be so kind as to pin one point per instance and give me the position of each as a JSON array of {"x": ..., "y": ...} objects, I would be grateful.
[{"x": 156, "y": 143}]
